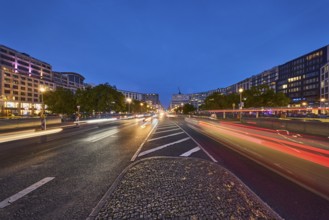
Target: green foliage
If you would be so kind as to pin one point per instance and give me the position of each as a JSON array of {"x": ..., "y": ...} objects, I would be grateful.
[
  {"x": 260, "y": 96},
  {"x": 187, "y": 108},
  {"x": 101, "y": 98},
  {"x": 61, "y": 101},
  {"x": 220, "y": 101}
]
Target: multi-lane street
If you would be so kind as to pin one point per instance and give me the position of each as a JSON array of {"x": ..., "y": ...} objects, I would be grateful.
[{"x": 64, "y": 174}]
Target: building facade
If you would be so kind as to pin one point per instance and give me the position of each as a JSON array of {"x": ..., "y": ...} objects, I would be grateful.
[
  {"x": 179, "y": 99},
  {"x": 69, "y": 80},
  {"x": 303, "y": 80},
  {"x": 268, "y": 77},
  {"x": 299, "y": 78},
  {"x": 21, "y": 80},
  {"x": 195, "y": 99},
  {"x": 324, "y": 85},
  {"x": 152, "y": 99},
  {"x": 21, "y": 77}
]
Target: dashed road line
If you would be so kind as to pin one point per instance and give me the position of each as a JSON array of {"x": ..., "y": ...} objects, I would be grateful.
[
  {"x": 140, "y": 147},
  {"x": 170, "y": 135},
  {"x": 24, "y": 192},
  {"x": 188, "y": 153},
  {"x": 163, "y": 146},
  {"x": 167, "y": 127},
  {"x": 158, "y": 132}
]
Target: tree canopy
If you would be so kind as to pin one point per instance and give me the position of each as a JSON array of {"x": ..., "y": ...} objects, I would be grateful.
[
  {"x": 101, "y": 98},
  {"x": 259, "y": 96}
]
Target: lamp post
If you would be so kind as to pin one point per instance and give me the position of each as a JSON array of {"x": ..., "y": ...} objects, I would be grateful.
[
  {"x": 78, "y": 115},
  {"x": 322, "y": 100},
  {"x": 240, "y": 106},
  {"x": 42, "y": 115},
  {"x": 129, "y": 101},
  {"x": 141, "y": 104}
]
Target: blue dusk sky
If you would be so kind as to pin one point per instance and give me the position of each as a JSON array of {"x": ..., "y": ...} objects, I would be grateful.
[{"x": 156, "y": 46}]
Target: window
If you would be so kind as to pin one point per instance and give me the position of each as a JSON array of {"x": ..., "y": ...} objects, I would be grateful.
[{"x": 22, "y": 63}]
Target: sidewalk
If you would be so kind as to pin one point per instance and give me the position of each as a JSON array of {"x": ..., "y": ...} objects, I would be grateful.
[{"x": 179, "y": 188}]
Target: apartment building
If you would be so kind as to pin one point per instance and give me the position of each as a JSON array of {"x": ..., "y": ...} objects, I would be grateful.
[
  {"x": 152, "y": 99},
  {"x": 324, "y": 85},
  {"x": 299, "y": 78},
  {"x": 21, "y": 79},
  {"x": 68, "y": 80}
]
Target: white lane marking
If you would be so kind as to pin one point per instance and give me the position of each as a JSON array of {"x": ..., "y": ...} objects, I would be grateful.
[
  {"x": 140, "y": 147},
  {"x": 188, "y": 153},
  {"x": 204, "y": 150},
  {"x": 157, "y": 132},
  {"x": 102, "y": 135},
  {"x": 153, "y": 139},
  {"x": 161, "y": 147},
  {"x": 24, "y": 192},
  {"x": 167, "y": 127}
]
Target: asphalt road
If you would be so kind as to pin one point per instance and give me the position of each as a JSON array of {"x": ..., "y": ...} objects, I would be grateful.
[
  {"x": 273, "y": 174},
  {"x": 77, "y": 166},
  {"x": 83, "y": 163}
]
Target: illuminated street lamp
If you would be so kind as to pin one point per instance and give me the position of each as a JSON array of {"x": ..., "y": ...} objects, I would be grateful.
[
  {"x": 129, "y": 101},
  {"x": 304, "y": 104},
  {"x": 240, "y": 91},
  {"x": 322, "y": 100},
  {"x": 141, "y": 104},
  {"x": 322, "y": 105},
  {"x": 42, "y": 115}
]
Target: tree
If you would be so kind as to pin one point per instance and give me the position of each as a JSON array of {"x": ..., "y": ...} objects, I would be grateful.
[
  {"x": 258, "y": 96},
  {"x": 61, "y": 101},
  {"x": 187, "y": 108},
  {"x": 101, "y": 98},
  {"x": 220, "y": 101}
]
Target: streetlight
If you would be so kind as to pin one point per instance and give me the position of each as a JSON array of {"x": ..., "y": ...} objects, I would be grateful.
[
  {"x": 141, "y": 104},
  {"x": 42, "y": 115},
  {"x": 129, "y": 101},
  {"x": 78, "y": 115},
  {"x": 240, "y": 91},
  {"x": 322, "y": 105}
]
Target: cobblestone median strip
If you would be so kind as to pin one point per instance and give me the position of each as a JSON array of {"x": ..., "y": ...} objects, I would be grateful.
[{"x": 180, "y": 188}]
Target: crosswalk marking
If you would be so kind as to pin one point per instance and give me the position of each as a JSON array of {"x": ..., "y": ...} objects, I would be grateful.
[
  {"x": 188, "y": 153},
  {"x": 167, "y": 127},
  {"x": 161, "y": 147},
  {"x": 166, "y": 136},
  {"x": 204, "y": 150},
  {"x": 166, "y": 131}
]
